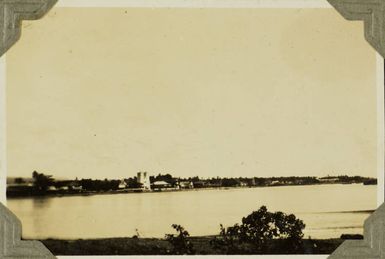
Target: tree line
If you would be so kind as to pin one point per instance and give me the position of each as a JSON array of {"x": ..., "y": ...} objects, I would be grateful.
[{"x": 43, "y": 182}]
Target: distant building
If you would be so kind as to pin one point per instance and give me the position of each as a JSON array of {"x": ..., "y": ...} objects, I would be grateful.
[
  {"x": 186, "y": 185},
  {"x": 161, "y": 185},
  {"x": 243, "y": 184},
  {"x": 144, "y": 180},
  {"x": 275, "y": 183},
  {"x": 251, "y": 182},
  {"x": 52, "y": 188},
  {"x": 122, "y": 185},
  {"x": 74, "y": 185},
  {"x": 328, "y": 179},
  {"x": 370, "y": 182},
  {"x": 199, "y": 184},
  {"x": 64, "y": 188}
]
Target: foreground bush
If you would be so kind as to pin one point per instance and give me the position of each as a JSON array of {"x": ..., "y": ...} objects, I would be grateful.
[
  {"x": 257, "y": 231},
  {"x": 180, "y": 243}
]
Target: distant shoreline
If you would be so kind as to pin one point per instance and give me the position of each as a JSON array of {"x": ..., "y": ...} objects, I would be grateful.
[{"x": 129, "y": 191}]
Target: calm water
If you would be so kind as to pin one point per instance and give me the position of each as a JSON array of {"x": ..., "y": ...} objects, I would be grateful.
[{"x": 327, "y": 210}]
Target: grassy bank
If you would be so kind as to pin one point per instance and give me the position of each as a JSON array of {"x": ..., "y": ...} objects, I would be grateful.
[{"x": 154, "y": 246}]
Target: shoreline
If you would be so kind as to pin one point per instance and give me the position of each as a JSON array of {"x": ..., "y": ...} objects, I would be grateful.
[
  {"x": 160, "y": 246},
  {"x": 130, "y": 191}
]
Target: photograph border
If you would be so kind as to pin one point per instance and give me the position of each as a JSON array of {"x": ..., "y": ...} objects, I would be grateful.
[{"x": 371, "y": 12}]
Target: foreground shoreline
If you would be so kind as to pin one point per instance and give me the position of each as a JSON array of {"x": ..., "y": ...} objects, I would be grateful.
[{"x": 159, "y": 246}]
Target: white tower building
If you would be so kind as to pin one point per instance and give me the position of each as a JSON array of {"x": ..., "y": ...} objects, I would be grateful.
[{"x": 144, "y": 180}]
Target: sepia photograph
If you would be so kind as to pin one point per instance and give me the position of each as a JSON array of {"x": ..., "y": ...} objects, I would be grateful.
[{"x": 193, "y": 131}]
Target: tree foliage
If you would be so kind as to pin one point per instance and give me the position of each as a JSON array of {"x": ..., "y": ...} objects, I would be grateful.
[
  {"x": 180, "y": 243},
  {"x": 99, "y": 185},
  {"x": 132, "y": 182},
  {"x": 257, "y": 231},
  {"x": 19, "y": 180},
  {"x": 41, "y": 181}
]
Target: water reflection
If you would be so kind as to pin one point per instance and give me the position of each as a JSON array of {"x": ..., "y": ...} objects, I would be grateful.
[{"x": 41, "y": 203}]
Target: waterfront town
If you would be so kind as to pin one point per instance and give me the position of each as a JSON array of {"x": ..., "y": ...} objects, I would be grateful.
[{"x": 41, "y": 184}]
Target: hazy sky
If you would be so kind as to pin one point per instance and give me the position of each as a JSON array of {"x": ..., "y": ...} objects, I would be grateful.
[{"x": 105, "y": 93}]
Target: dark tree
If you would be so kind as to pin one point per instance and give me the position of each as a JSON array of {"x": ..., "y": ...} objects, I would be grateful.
[
  {"x": 41, "y": 181},
  {"x": 229, "y": 182},
  {"x": 19, "y": 180},
  {"x": 133, "y": 182},
  {"x": 257, "y": 232},
  {"x": 180, "y": 242}
]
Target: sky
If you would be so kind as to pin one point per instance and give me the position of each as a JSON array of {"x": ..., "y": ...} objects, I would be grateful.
[{"x": 105, "y": 93}]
